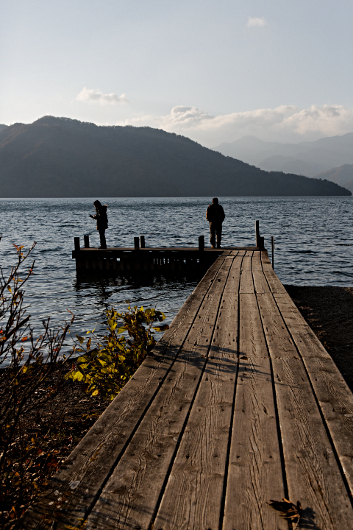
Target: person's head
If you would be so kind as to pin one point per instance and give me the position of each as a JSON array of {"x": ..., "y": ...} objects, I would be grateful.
[
  {"x": 215, "y": 200},
  {"x": 98, "y": 205}
]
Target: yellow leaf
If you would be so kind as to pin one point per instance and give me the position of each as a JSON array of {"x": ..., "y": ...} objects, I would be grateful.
[{"x": 77, "y": 376}]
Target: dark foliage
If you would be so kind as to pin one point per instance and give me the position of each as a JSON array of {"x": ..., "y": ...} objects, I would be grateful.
[{"x": 27, "y": 364}]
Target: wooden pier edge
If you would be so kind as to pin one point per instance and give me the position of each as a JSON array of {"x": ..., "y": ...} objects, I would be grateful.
[
  {"x": 238, "y": 403},
  {"x": 141, "y": 259}
]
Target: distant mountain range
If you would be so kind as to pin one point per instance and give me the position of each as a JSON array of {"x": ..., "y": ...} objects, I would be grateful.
[
  {"x": 60, "y": 157},
  {"x": 342, "y": 175},
  {"x": 306, "y": 158}
]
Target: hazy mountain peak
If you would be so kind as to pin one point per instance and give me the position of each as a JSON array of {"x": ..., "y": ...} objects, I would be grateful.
[{"x": 306, "y": 158}]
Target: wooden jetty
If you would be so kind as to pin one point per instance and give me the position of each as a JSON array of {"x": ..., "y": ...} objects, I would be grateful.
[
  {"x": 142, "y": 260},
  {"x": 239, "y": 403}
]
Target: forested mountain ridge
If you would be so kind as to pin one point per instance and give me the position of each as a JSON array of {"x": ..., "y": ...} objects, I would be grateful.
[{"x": 60, "y": 157}]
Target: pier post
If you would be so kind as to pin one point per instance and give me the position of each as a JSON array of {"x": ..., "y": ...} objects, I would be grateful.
[
  {"x": 86, "y": 240},
  {"x": 257, "y": 233},
  {"x": 77, "y": 243},
  {"x": 136, "y": 243},
  {"x": 142, "y": 242},
  {"x": 260, "y": 241},
  {"x": 273, "y": 252},
  {"x": 201, "y": 243}
]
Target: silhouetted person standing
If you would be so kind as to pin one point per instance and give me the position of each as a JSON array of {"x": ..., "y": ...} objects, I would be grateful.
[
  {"x": 102, "y": 221},
  {"x": 215, "y": 216}
]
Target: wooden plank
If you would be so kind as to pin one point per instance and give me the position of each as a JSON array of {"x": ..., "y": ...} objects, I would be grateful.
[
  {"x": 251, "y": 332},
  {"x": 274, "y": 282},
  {"x": 313, "y": 475},
  {"x": 247, "y": 260},
  {"x": 256, "y": 263},
  {"x": 194, "y": 492},
  {"x": 332, "y": 393},
  {"x": 302, "y": 335},
  {"x": 246, "y": 282},
  {"x": 130, "y": 497},
  {"x": 246, "y": 279},
  {"x": 277, "y": 336},
  {"x": 336, "y": 403},
  {"x": 312, "y": 472},
  {"x": 265, "y": 260},
  {"x": 79, "y": 481},
  {"x": 255, "y": 475},
  {"x": 260, "y": 282}
]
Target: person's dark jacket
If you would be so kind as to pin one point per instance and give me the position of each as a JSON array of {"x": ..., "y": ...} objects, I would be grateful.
[
  {"x": 101, "y": 217},
  {"x": 215, "y": 214}
]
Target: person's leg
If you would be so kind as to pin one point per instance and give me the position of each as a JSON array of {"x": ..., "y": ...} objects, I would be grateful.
[
  {"x": 219, "y": 236},
  {"x": 212, "y": 234},
  {"x": 102, "y": 238}
]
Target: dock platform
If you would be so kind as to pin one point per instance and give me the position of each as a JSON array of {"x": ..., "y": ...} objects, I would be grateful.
[
  {"x": 142, "y": 260},
  {"x": 239, "y": 403}
]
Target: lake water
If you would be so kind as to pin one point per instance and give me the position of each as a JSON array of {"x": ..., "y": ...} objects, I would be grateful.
[{"x": 313, "y": 238}]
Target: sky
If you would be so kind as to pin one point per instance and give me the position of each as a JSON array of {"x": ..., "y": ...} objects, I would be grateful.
[{"x": 281, "y": 70}]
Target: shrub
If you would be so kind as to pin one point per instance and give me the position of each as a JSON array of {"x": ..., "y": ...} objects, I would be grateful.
[
  {"x": 26, "y": 362},
  {"x": 105, "y": 367}
]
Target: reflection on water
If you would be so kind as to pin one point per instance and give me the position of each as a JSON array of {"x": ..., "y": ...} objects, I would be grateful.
[{"x": 313, "y": 240}]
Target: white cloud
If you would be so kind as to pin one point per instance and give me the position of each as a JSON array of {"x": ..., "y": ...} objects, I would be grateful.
[
  {"x": 185, "y": 117},
  {"x": 96, "y": 96},
  {"x": 256, "y": 21},
  {"x": 283, "y": 123},
  {"x": 327, "y": 120}
]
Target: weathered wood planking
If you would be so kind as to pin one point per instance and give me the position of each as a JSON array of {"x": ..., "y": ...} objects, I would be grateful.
[
  {"x": 331, "y": 391},
  {"x": 255, "y": 472},
  {"x": 194, "y": 492},
  {"x": 131, "y": 495},
  {"x": 80, "y": 480},
  {"x": 239, "y": 404},
  {"x": 312, "y": 470}
]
